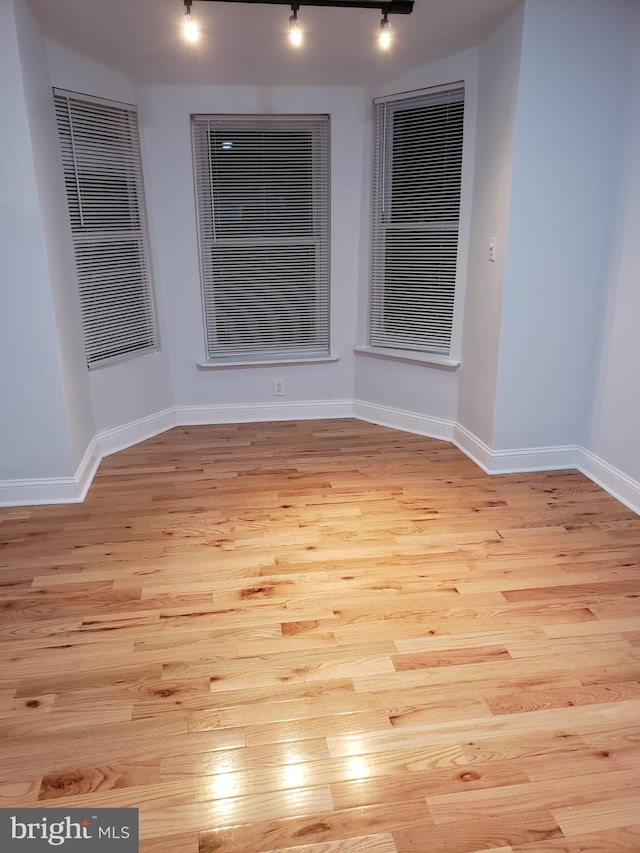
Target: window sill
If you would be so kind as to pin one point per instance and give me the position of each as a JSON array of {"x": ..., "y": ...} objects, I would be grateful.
[
  {"x": 276, "y": 362},
  {"x": 443, "y": 361}
]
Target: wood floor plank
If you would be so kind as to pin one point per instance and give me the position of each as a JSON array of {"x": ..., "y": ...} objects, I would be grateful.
[
  {"x": 234, "y": 811},
  {"x": 615, "y": 810},
  {"x": 586, "y": 719},
  {"x": 323, "y": 637},
  {"x": 375, "y": 788},
  {"x": 361, "y": 722},
  {"x": 294, "y": 709},
  {"x": 241, "y": 759},
  {"x": 546, "y": 795},
  {"x": 509, "y": 668},
  {"x": 623, "y": 840},
  {"x": 563, "y": 697},
  {"x": 180, "y": 842},
  {"x": 380, "y": 843},
  {"x": 331, "y": 826},
  {"x": 480, "y": 834},
  {"x": 615, "y": 624},
  {"x": 580, "y": 762},
  {"x": 19, "y": 793},
  {"x": 90, "y": 780}
]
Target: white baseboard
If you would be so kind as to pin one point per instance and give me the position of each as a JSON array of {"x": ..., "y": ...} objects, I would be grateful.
[
  {"x": 43, "y": 490},
  {"x": 87, "y": 469},
  {"x": 515, "y": 461},
  {"x": 535, "y": 459},
  {"x": 404, "y": 420},
  {"x": 310, "y": 410},
  {"x": 73, "y": 489},
  {"x": 112, "y": 440},
  {"x": 473, "y": 447},
  {"x": 612, "y": 480}
]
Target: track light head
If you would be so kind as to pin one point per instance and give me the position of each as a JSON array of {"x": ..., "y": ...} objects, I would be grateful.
[
  {"x": 295, "y": 33},
  {"x": 384, "y": 39},
  {"x": 189, "y": 28}
]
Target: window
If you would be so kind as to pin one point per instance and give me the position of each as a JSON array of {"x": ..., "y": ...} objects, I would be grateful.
[
  {"x": 100, "y": 149},
  {"x": 262, "y": 204},
  {"x": 416, "y": 208}
]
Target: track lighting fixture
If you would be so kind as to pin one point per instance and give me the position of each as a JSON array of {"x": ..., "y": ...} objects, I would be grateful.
[
  {"x": 190, "y": 28},
  {"x": 295, "y": 33},
  {"x": 384, "y": 39},
  {"x": 391, "y": 7}
]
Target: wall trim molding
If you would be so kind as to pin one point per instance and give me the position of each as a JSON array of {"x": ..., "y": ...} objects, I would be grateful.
[
  {"x": 261, "y": 412},
  {"x": 87, "y": 469},
  {"x": 404, "y": 420},
  {"x": 518, "y": 460},
  {"x": 41, "y": 490},
  {"x": 119, "y": 438},
  {"x": 473, "y": 447},
  {"x": 525, "y": 459},
  {"x": 58, "y": 490},
  {"x": 611, "y": 479}
]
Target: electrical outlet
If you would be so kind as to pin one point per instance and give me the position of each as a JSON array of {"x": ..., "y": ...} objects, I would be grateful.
[
  {"x": 278, "y": 387},
  {"x": 492, "y": 248}
]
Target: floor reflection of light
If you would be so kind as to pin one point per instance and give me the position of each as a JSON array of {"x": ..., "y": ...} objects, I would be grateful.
[
  {"x": 350, "y": 745},
  {"x": 358, "y": 768},
  {"x": 223, "y": 763},
  {"x": 224, "y": 785},
  {"x": 290, "y": 754},
  {"x": 293, "y": 775}
]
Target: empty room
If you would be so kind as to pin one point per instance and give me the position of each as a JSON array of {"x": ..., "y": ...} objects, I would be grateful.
[{"x": 320, "y": 426}]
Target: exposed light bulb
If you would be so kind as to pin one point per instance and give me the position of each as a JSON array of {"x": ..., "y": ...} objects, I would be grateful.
[
  {"x": 295, "y": 33},
  {"x": 190, "y": 28},
  {"x": 384, "y": 39}
]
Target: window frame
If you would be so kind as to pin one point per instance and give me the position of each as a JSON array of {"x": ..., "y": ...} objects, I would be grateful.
[
  {"x": 141, "y": 335},
  {"x": 319, "y": 236},
  {"x": 450, "y": 359}
]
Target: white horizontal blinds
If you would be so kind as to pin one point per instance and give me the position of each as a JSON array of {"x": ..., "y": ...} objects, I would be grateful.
[
  {"x": 262, "y": 198},
  {"x": 417, "y": 179},
  {"x": 100, "y": 150}
]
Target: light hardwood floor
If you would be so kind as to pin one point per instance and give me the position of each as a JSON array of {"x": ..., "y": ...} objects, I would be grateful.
[{"x": 326, "y": 636}]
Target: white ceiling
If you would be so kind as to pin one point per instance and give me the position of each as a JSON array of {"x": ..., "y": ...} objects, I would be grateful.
[{"x": 248, "y": 44}]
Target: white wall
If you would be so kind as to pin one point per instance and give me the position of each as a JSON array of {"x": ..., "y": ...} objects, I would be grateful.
[
  {"x": 33, "y": 425},
  {"x": 420, "y": 388},
  {"x": 165, "y": 125},
  {"x": 615, "y": 425},
  {"x": 498, "y": 74},
  {"x": 140, "y": 386},
  {"x": 567, "y": 146},
  {"x": 57, "y": 231},
  {"x": 79, "y": 73}
]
